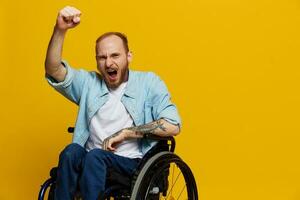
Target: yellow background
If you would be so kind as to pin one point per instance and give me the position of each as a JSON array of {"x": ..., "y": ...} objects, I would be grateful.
[{"x": 231, "y": 66}]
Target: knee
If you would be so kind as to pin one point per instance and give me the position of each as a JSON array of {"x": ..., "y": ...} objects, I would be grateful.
[
  {"x": 72, "y": 151},
  {"x": 95, "y": 155}
]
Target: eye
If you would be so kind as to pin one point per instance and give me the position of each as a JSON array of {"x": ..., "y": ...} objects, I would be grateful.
[
  {"x": 100, "y": 57},
  {"x": 115, "y": 55}
]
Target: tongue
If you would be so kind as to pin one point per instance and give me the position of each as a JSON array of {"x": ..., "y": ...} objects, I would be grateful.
[{"x": 112, "y": 75}]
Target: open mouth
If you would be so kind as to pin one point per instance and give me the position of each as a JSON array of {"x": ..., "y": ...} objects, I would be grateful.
[{"x": 112, "y": 73}]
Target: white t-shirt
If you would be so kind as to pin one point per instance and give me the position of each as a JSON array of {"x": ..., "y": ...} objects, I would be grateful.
[{"x": 109, "y": 119}]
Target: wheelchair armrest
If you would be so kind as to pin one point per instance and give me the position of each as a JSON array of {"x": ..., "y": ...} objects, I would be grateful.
[{"x": 160, "y": 138}]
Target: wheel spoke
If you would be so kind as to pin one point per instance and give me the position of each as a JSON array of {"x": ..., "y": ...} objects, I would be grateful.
[
  {"x": 172, "y": 178},
  {"x": 181, "y": 191},
  {"x": 174, "y": 183}
]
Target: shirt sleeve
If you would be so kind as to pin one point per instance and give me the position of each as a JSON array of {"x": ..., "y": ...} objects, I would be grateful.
[
  {"x": 160, "y": 98},
  {"x": 71, "y": 87}
]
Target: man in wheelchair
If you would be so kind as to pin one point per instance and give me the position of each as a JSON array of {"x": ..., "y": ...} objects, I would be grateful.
[{"x": 117, "y": 109}]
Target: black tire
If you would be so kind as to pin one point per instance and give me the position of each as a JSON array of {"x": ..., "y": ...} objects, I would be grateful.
[{"x": 153, "y": 181}]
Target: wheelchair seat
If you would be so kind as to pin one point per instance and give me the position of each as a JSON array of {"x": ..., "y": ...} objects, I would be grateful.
[{"x": 160, "y": 174}]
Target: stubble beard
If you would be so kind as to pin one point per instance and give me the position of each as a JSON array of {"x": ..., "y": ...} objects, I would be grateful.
[{"x": 123, "y": 78}]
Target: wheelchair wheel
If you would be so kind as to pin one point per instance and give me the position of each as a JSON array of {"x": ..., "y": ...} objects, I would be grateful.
[
  {"x": 165, "y": 176},
  {"x": 47, "y": 190}
]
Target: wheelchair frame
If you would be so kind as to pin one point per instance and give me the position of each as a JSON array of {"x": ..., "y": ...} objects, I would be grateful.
[{"x": 158, "y": 157}]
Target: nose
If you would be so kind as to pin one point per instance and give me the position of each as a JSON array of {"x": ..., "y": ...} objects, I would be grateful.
[{"x": 109, "y": 62}]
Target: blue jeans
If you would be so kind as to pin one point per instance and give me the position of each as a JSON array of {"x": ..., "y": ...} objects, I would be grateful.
[{"x": 77, "y": 167}]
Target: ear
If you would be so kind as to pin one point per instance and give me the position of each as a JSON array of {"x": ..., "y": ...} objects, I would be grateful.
[{"x": 129, "y": 56}]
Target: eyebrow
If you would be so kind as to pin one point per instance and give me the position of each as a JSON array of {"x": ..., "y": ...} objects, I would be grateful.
[
  {"x": 100, "y": 56},
  {"x": 115, "y": 54},
  {"x": 104, "y": 56}
]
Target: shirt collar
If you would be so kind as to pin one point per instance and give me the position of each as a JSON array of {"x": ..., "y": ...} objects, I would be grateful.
[
  {"x": 130, "y": 88},
  {"x": 104, "y": 89}
]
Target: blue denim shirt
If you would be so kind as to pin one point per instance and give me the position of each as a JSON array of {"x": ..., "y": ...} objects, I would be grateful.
[{"x": 146, "y": 98}]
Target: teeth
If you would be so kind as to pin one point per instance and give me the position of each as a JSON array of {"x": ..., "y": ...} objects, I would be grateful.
[{"x": 110, "y": 70}]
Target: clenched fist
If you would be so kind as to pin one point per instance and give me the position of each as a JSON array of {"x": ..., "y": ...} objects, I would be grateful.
[{"x": 67, "y": 18}]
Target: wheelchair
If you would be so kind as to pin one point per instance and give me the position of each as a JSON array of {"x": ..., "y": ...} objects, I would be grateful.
[{"x": 161, "y": 174}]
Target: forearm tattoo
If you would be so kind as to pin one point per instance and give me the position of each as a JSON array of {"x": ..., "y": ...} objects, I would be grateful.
[
  {"x": 148, "y": 129},
  {"x": 142, "y": 130}
]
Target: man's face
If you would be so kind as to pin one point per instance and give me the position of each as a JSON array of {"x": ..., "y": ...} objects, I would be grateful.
[{"x": 112, "y": 61}]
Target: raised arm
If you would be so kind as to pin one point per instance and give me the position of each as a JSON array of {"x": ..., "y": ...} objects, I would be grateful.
[{"x": 67, "y": 18}]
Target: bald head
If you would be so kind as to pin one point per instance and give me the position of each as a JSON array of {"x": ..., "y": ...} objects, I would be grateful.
[{"x": 121, "y": 36}]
